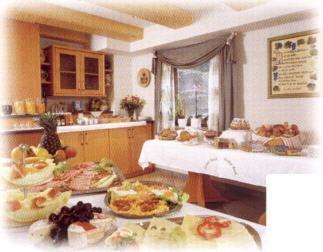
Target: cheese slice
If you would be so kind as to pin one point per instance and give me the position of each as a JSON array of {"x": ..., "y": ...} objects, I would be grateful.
[{"x": 159, "y": 232}]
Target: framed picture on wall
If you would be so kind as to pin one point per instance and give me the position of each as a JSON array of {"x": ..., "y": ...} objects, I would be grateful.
[{"x": 293, "y": 65}]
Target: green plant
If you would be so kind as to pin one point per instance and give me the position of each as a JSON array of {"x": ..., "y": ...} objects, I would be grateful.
[{"x": 179, "y": 107}]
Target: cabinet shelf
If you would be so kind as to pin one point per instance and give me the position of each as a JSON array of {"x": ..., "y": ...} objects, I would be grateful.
[
  {"x": 67, "y": 72},
  {"x": 92, "y": 74},
  {"x": 46, "y": 82},
  {"x": 108, "y": 70},
  {"x": 45, "y": 64}
]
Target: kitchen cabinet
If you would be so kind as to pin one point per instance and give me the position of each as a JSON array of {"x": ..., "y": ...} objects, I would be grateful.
[
  {"x": 74, "y": 139},
  {"x": 138, "y": 136},
  {"x": 125, "y": 147},
  {"x": 96, "y": 145},
  {"x": 90, "y": 145},
  {"x": 120, "y": 149},
  {"x": 76, "y": 72},
  {"x": 21, "y": 71}
]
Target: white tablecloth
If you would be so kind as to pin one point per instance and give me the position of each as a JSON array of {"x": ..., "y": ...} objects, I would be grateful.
[
  {"x": 246, "y": 167},
  {"x": 17, "y": 238}
]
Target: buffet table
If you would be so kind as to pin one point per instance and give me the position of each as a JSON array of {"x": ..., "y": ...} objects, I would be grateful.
[
  {"x": 18, "y": 237},
  {"x": 234, "y": 165}
]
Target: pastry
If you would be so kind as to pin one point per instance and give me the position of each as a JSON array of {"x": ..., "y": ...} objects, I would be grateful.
[
  {"x": 210, "y": 134},
  {"x": 80, "y": 234},
  {"x": 277, "y": 130},
  {"x": 167, "y": 134},
  {"x": 239, "y": 124},
  {"x": 185, "y": 136}
]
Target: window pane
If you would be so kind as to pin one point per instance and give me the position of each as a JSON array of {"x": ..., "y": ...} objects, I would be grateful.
[{"x": 193, "y": 89}]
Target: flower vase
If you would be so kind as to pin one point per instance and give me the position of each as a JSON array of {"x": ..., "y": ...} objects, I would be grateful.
[
  {"x": 182, "y": 122},
  {"x": 196, "y": 123},
  {"x": 131, "y": 113}
]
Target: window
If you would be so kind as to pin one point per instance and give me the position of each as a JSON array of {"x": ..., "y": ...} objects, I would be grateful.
[{"x": 193, "y": 88}]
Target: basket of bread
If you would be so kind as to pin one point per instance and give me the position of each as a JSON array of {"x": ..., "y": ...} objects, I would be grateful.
[
  {"x": 189, "y": 137},
  {"x": 281, "y": 139},
  {"x": 167, "y": 134}
]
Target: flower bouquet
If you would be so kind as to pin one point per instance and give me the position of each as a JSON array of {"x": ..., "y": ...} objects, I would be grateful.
[{"x": 131, "y": 103}]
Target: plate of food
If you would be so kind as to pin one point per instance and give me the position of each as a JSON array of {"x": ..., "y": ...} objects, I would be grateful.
[
  {"x": 188, "y": 137},
  {"x": 77, "y": 226},
  {"x": 33, "y": 172},
  {"x": 22, "y": 209},
  {"x": 144, "y": 199},
  {"x": 167, "y": 135},
  {"x": 188, "y": 232},
  {"x": 86, "y": 177},
  {"x": 210, "y": 135}
]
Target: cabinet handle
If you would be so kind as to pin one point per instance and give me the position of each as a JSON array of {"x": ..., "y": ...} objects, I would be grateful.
[
  {"x": 82, "y": 140},
  {"x": 129, "y": 134}
]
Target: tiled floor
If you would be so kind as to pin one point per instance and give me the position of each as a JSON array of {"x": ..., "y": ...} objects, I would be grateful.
[{"x": 246, "y": 204}]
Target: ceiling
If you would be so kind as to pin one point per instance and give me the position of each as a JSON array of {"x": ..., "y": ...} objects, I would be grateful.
[
  {"x": 151, "y": 23},
  {"x": 196, "y": 8},
  {"x": 123, "y": 20}
]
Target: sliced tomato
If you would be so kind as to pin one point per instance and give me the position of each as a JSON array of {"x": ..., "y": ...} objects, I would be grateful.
[
  {"x": 54, "y": 192},
  {"x": 211, "y": 219},
  {"x": 40, "y": 165},
  {"x": 215, "y": 221},
  {"x": 14, "y": 205},
  {"x": 37, "y": 202},
  {"x": 208, "y": 231},
  {"x": 87, "y": 226}
]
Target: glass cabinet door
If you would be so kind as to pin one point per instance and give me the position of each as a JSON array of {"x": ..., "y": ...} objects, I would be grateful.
[
  {"x": 93, "y": 66},
  {"x": 68, "y": 74}
]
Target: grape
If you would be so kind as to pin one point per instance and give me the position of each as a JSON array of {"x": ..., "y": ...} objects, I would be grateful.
[
  {"x": 79, "y": 212},
  {"x": 89, "y": 215},
  {"x": 66, "y": 221},
  {"x": 88, "y": 206},
  {"x": 53, "y": 218},
  {"x": 65, "y": 209},
  {"x": 97, "y": 209}
]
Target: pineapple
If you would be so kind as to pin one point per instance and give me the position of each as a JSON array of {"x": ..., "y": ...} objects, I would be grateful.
[{"x": 49, "y": 140}]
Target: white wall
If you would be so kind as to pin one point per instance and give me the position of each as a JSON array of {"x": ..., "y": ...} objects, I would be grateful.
[
  {"x": 252, "y": 75},
  {"x": 122, "y": 80}
]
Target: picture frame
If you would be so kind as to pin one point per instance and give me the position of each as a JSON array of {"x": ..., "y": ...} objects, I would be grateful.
[
  {"x": 293, "y": 65},
  {"x": 144, "y": 77}
]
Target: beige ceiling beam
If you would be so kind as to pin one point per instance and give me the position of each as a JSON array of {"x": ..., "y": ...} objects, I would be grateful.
[
  {"x": 65, "y": 35},
  {"x": 160, "y": 13},
  {"x": 56, "y": 16}
]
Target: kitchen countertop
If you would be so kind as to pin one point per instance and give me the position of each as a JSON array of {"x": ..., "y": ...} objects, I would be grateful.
[{"x": 75, "y": 128}]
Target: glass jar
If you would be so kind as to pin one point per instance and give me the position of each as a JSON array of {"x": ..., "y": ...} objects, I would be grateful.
[
  {"x": 30, "y": 106},
  {"x": 19, "y": 107},
  {"x": 40, "y": 106}
]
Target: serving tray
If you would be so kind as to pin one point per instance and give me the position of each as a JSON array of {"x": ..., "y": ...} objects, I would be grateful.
[
  {"x": 179, "y": 220},
  {"x": 173, "y": 209}
]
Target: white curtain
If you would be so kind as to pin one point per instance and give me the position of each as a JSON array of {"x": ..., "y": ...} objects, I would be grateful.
[
  {"x": 213, "y": 101},
  {"x": 167, "y": 102}
]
